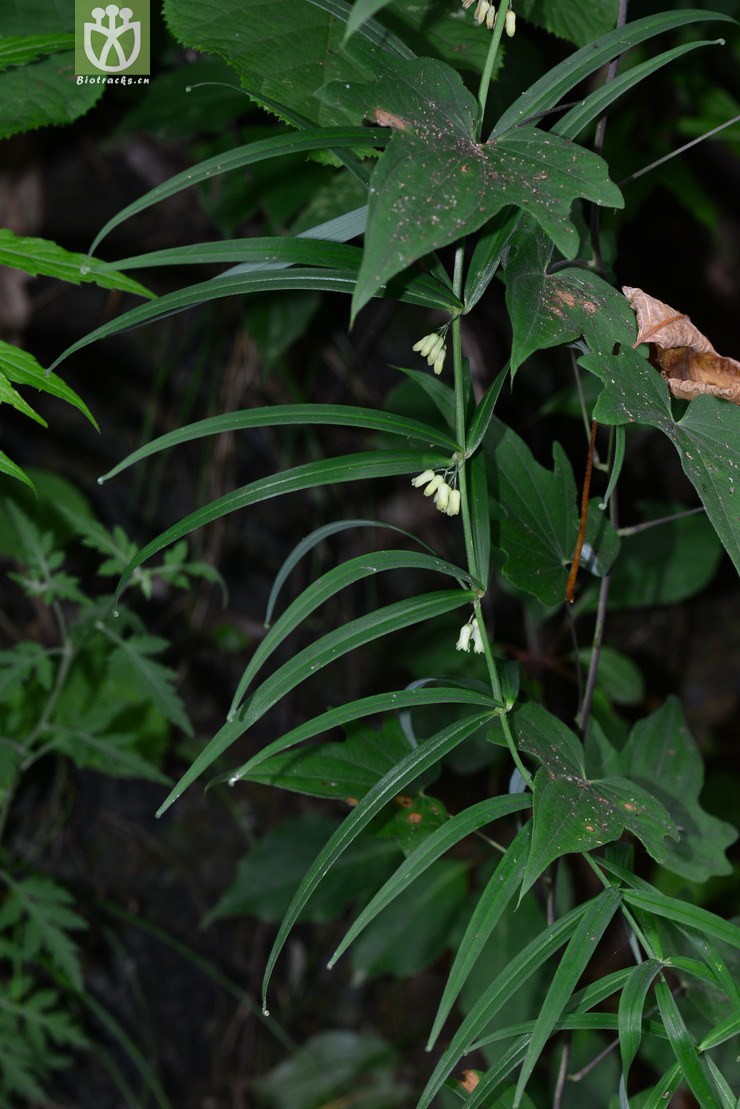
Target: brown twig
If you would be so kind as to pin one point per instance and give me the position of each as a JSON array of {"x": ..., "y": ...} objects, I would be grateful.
[{"x": 584, "y": 517}]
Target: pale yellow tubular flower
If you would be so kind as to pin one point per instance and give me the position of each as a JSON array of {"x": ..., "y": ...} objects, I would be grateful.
[
  {"x": 442, "y": 497},
  {"x": 481, "y": 11},
  {"x": 422, "y": 479},
  {"x": 510, "y": 25},
  {"x": 453, "y": 506},
  {"x": 477, "y": 640},
  {"x": 434, "y": 485},
  {"x": 439, "y": 361},
  {"x": 463, "y": 640},
  {"x": 425, "y": 345},
  {"x": 490, "y": 17}
]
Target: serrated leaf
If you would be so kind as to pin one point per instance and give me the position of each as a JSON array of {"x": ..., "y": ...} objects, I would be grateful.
[
  {"x": 20, "y": 49},
  {"x": 17, "y": 665},
  {"x": 108, "y": 752},
  {"x": 155, "y": 681},
  {"x": 22, "y": 368},
  {"x": 43, "y": 92},
  {"x": 435, "y": 181},
  {"x": 44, "y": 906},
  {"x": 662, "y": 756},
  {"x": 571, "y": 812},
  {"x": 42, "y": 256}
]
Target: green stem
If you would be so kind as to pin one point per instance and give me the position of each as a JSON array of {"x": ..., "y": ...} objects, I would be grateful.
[
  {"x": 470, "y": 551},
  {"x": 485, "y": 81}
]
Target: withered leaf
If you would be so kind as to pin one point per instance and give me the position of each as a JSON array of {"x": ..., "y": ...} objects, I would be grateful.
[{"x": 686, "y": 359}]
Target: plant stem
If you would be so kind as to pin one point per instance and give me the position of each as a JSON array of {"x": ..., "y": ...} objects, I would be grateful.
[
  {"x": 485, "y": 81},
  {"x": 470, "y": 551}
]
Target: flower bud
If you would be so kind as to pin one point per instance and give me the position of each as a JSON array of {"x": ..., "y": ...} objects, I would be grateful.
[
  {"x": 481, "y": 11},
  {"x": 510, "y": 25},
  {"x": 490, "y": 17},
  {"x": 434, "y": 485},
  {"x": 453, "y": 506},
  {"x": 422, "y": 479},
  {"x": 442, "y": 496},
  {"x": 425, "y": 345},
  {"x": 477, "y": 639},
  {"x": 439, "y": 361},
  {"x": 463, "y": 640}
]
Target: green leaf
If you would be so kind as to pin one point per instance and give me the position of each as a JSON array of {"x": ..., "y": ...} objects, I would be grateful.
[
  {"x": 558, "y": 81},
  {"x": 95, "y": 744},
  {"x": 428, "y": 851},
  {"x": 267, "y": 878},
  {"x": 41, "y": 256},
  {"x": 498, "y": 892},
  {"x": 43, "y": 92},
  {"x": 412, "y": 933},
  {"x": 336, "y": 1068},
  {"x": 133, "y": 656},
  {"x": 414, "y": 764},
  {"x": 662, "y": 757},
  {"x": 435, "y": 181},
  {"x": 250, "y": 154},
  {"x": 281, "y": 54},
  {"x": 328, "y": 471},
  {"x": 571, "y": 812},
  {"x": 618, "y": 676},
  {"x": 480, "y": 520},
  {"x": 330, "y": 583},
  {"x": 578, "y": 21},
  {"x": 591, "y": 927},
  {"x": 421, "y": 290},
  {"x": 345, "y": 771},
  {"x": 20, "y": 49},
  {"x": 22, "y": 662},
  {"x": 631, "y": 1006},
  {"x": 484, "y": 412},
  {"x": 539, "y": 529},
  {"x": 279, "y": 415},
  {"x": 407, "y": 699},
  {"x": 496, "y": 995},
  {"x": 683, "y": 913},
  {"x": 7, "y": 466},
  {"x": 488, "y": 254},
  {"x": 258, "y": 253},
  {"x": 312, "y": 540},
  {"x": 440, "y": 394},
  {"x": 22, "y": 368},
  {"x": 44, "y": 908},
  {"x": 329, "y": 648},
  {"x": 692, "y": 1067},
  {"x": 725, "y": 1030}
]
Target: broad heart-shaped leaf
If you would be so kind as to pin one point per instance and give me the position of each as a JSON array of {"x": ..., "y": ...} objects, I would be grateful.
[
  {"x": 540, "y": 516},
  {"x": 661, "y": 755},
  {"x": 547, "y": 309},
  {"x": 436, "y": 183},
  {"x": 572, "y": 813}
]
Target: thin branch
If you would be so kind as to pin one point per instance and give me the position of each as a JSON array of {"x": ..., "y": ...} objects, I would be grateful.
[
  {"x": 562, "y": 1074},
  {"x": 680, "y": 150}
]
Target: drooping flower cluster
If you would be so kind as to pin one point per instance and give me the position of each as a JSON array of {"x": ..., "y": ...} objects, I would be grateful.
[
  {"x": 433, "y": 348},
  {"x": 467, "y": 632},
  {"x": 485, "y": 12},
  {"x": 446, "y": 498}
]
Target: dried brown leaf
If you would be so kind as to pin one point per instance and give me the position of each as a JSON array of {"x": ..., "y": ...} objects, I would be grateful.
[{"x": 686, "y": 359}]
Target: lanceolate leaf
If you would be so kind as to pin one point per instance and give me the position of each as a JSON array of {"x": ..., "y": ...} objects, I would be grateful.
[
  {"x": 498, "y": 993},
  {"x": 441, "y": 840},
  {"x": 21, "y": 368},
  {"x": 422, "y": 290},
  {"x": 591, "y": 927},
  {"x": 330, "y": 583},
  {"x": 550, "y": 89},
  {"x": 240, "y": 156},
  {"x": 692, "y": 1067},
  {"x": 415, "y": 763},
  {"x": 436, "y": 182},
  {"x": 277, "y": 415},
  {"x": 328, "y": 471},
  {"x": 501, "y": 887},
  {"x": 402, "y": 699},
  {"x": 631, "y": 1007},
  {"x": 330, "y": 647}
]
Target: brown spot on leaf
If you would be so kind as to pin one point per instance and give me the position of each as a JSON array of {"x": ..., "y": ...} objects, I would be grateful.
[
  {"x": 388, "y": 119},
  {"x": 351, "y": 801},
  {"x": 414, "y": 818},
  {"x": 470, "y": 1080},
  {"x": 404, "y": 802}
]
